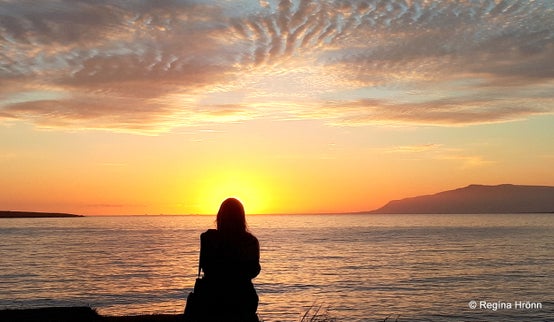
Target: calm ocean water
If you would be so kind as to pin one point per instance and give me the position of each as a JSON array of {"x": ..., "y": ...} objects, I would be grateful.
[{"x": 357, "y": 267}]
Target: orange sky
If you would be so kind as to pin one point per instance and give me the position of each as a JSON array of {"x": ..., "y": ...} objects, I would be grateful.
[{"x": 291, "y": 106}]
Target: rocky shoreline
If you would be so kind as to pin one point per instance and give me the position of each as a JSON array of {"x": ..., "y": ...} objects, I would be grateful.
[{"x": 81, "y": 313}]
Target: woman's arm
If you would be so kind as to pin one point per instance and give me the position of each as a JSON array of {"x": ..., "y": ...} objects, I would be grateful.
[{"x": 252, "y": 261}]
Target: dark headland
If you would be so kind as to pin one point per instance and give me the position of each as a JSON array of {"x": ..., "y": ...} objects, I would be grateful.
[
  {"x": 28, "y": 214},
  {"x": 477, "y": 199}
]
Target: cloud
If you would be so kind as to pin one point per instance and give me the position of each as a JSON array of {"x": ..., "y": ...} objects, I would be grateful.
[
  {"x": 121, "y": 66},
  {"x": 468, "y": 161},
  {"x": 7, "y": 156},
  {"x": 412, "y": 148},
  {"x": 435, "y": 151},
  {"x": 89, "y": 113},
  {"x": 449, "y": 111}
]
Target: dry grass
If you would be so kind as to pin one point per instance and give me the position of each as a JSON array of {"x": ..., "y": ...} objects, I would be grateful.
[
  {"x": 395, "y": 320},
  {"x": 316, "y": 314}
]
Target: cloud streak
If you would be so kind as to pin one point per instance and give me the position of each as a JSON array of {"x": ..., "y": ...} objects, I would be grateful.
[
  {"x": 120, "y": 66},
  {"x": 465, "y": 159}
]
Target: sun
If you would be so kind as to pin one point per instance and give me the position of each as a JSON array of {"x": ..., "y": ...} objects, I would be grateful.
[{"x": 250, "y": 188}]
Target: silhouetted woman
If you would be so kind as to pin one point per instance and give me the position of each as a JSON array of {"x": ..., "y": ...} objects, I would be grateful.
[{"x": 230, "y": 259}]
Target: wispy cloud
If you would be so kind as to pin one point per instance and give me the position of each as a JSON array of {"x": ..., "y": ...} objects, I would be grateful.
[
  {"x": 7, "y": 156},
  {"x": 435, "y": 151},
  {"x": 467, "y": 161},
  {"x": 412, "y": 148},
  {"x": 122, "y": 66},
  {"x": 447, "y": 111}
]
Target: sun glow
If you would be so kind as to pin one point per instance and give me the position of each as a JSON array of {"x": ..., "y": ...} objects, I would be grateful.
[{"x": 251, "y": 189}]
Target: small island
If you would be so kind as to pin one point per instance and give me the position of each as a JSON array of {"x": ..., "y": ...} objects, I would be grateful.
[{"x": 30, "y": 214}]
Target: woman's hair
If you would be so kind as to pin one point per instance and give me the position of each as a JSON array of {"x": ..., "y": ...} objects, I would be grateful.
[{"x": 231, "y": 217}]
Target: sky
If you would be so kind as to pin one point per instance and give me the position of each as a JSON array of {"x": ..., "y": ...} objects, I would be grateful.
[{"x": 169, "y": 107}]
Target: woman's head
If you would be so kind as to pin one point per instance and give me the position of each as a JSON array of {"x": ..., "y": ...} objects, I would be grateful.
[{"x": 231, "y": 216}]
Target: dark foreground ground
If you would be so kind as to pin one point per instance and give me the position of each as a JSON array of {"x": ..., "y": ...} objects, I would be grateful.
[{"x": 81, "y": 314}]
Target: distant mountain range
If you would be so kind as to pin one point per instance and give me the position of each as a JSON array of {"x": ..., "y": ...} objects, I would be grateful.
[
  {"x": 476, "y": 199},
  {"x": 30, "y": 214}
]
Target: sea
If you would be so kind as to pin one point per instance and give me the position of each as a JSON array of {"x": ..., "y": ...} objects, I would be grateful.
[{"x": 341, "y": 267}]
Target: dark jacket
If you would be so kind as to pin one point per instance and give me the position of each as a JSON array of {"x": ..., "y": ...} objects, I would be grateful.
[{"x": 230, "y": 262}]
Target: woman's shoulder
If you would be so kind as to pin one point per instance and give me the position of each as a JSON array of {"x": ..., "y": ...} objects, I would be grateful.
[
  {"x": 210, "y": 234},
  {"x": 250, "y": 238},
  {"x": 214, "y": 234}
]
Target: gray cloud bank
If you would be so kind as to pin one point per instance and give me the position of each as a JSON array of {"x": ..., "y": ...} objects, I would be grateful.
[{"x": 145, "y": 65}]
